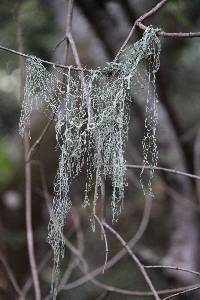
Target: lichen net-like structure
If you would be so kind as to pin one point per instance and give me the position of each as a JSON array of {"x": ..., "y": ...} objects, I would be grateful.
[{"x": 91, "y": 114}]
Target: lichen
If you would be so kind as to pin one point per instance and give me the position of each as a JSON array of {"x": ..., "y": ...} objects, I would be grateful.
[{"x": 91, "y": 115}]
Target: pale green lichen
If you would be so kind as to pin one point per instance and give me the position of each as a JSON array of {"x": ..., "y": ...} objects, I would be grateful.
[{"x": 91, "y": 123}]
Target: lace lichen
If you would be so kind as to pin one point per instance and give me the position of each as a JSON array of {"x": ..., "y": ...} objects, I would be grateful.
[{"x": 91, "y": 124}]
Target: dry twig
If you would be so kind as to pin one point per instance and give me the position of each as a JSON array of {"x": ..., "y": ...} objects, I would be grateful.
[{"x": 28, "y": 181}]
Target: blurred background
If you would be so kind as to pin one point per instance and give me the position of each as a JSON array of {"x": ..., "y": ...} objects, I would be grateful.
[{"x": 99, "y": 28}]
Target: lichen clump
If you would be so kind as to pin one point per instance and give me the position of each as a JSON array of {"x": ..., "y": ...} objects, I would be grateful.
[{"x": 91, "y": 113}]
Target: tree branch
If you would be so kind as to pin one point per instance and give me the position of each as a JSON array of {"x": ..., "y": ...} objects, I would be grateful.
[
  {"x": 11, "y": 277},
  {"x": 140, "y": 19},
  {"x": 39, "y": 140},
  {"x": 28, "y": 180},
  {"x": 173, "y": 171},
  {"x": 135, "y": 259},
  {"x": 172, "y": 34}
]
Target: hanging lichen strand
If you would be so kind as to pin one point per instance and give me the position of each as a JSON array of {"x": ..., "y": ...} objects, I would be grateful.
[
  {"x": 91, "y": 115},
  {"x": 149, "y": 142}
]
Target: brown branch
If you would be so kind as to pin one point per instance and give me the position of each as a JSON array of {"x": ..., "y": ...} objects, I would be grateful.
[
  {"x": 80, "y": 244},
  {"x": 20, "y": 53},
  {"x": 171, "y": 34},
  {"x": 74, "y": 51},
  {"x": 131, "y": 292},
  {"x": 103, "y": 295},
  {"x": 154, "y": 10},
  {"x": 28, "y": 181},
  {"x": 137, "y": 236},
  {"x": 68, "y": 28},
  {"x": 29, "y": 229},
  {"x": 135, "y": 259},
  {"x": 112, "y": 288},
  {"x": 39, "y": 140},
  {"x": 44, "y": 185},
  {"x": 138, "y": 23},
  {"x": 197, "y": 161},
  {"x": 11, "y": 276},
  {"x": 42, "y": 264},
  {"x": 183, "y": 292},
  {"x": 140, "y": 19},
  {"x": 173, "y": 268},
  {"x": 173, "y": 171},
  {"x": 106, "y": 242}
]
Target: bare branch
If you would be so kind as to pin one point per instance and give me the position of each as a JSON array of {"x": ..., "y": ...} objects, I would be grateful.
[
  {"x": 172, "y": 268},
  {"x": 135, "y": 259},
  {"x": 11, "y": 276},
  {"x": 39, "y": 140},
  {"x": 80, "y": 243},
  {"x": 105, "y": 239},
  {"x": 42, "y": 264},
  {"x": 28, "y": 208},
  {"x": 68, "y": 28},
  {"x": 183, "y": 292},
  {"x": 20, "y": 53},
  {"x": 172, "y": 34},
  {"x": 173, "y": 171},
  {"x": 112, "y": 288},
  {"x": 140, "y": 19},
  {"x": 139, "y": 233},
  {"x": 138, "y": 23}
]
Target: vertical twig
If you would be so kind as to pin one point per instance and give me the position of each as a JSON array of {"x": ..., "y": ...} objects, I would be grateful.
[
  {"x": 70, "y": 3},
  {"x": 28, "y": 181},
  {"x": 95, "y": 198},
  {"x": 197, "y": 161},
  {"x": 80, "y": 245},
  {"x": 103, "y": 197},
  {"x": 106, "y": 242}
]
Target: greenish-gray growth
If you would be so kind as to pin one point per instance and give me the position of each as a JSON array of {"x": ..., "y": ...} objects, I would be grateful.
[{"x": 91, "y": 113}]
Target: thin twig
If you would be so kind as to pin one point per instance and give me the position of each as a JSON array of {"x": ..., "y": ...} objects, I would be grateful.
[
  {"x": 152, "y": 11},
  {"x": 11, "y": 276},
  {"x": 39, "y": 140},
  {"x": 135, "y": 259},
  {"x": 139, "y": 233},
  {"x": 183, "y": 292},
  {"x": 68, "y": 28},
  {"x": 20, "y": 53},
  {"x": 103, "y": 196},
  {"x": 173, "y": 171},
  {"x": 136, "y": 23},
  {"x": 28, "y": 181},
  {"x": 80, "y": 245},
  {"x": 106, "y": 242},
  {"x": 29, "y": 229},
  {"x": 41, "y": 266},
  {"x": 197, "y": 161},
  {"x": 115, "y": 289},
  {"x": 132, "y": 292},
  {"x": 103, "y": 295},
  {"x": 140, "y": 19},
  {"x": 171, "y": 34},
  {"x": 45, "y": 191},
  {"x": 95, "y": 197},
  {"x": 172, "y": 268}
]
